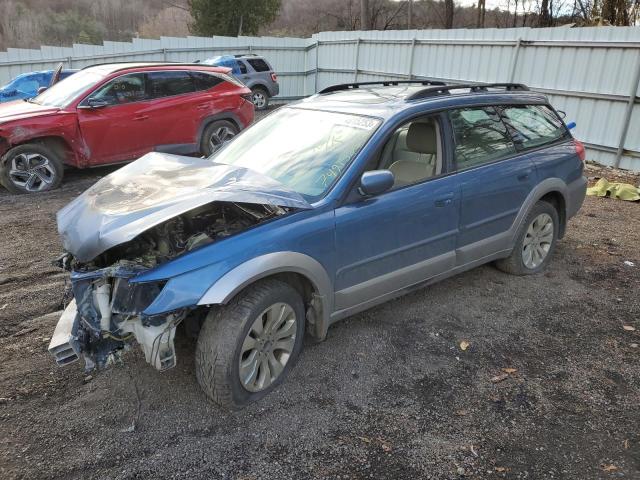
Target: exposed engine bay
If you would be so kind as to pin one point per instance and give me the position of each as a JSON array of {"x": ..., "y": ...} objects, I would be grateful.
[{"x": 107, "y": 312}]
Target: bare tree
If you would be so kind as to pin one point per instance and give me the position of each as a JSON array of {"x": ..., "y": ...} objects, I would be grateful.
[
  {"x": 482, "y": 10},
  {"x": 448, "y": 13},
  {"x": 544, "y": 18}
]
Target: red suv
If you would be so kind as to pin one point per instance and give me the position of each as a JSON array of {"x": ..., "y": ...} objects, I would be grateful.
[{"x": 115, "y": 113}]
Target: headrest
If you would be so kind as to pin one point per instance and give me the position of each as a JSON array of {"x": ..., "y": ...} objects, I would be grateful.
[{"x": 422, "y": 138}]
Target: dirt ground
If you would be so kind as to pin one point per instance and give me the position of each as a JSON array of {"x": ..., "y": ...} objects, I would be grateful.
[{"x": 390, "y": 393}]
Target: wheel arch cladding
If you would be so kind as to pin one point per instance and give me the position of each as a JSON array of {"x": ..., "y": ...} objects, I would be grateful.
[
  {"x": 4, "y": 146},
  {"x": 226, "y": 116},
  {"x": 59, "y": 145},
  {"x": 262, "y": 87},
  {"x": 548, "y": 188},
  {"x": 301, "y": 271},
  {"x": 558, "y": 201}
]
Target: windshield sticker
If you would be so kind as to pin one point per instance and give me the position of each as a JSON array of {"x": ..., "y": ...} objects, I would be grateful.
[{"x": 362, "y": 123}]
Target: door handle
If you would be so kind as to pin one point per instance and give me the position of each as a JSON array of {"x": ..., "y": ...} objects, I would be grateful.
[
  {"x": 141, "y": 117},
  {"x": 524, "y": 176},
  {"x": 443, "y": 202},
  {"x": 203, "y": 106}
]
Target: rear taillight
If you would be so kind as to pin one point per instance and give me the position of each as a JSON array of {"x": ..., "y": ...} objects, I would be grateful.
[
  {"x": 274, "y": 77},
  {"x": 579, "y": 149}
]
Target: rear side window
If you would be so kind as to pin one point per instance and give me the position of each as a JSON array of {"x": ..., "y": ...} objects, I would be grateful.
[
  {"x": 205, "y": 81},
  {"x": 168, "y": 84},
  {"x": 242, "y": 67},
  {"x": 259, "y": 65},
  {"x": 533, "y": 125},
  {"x": 480, "y": 137}
]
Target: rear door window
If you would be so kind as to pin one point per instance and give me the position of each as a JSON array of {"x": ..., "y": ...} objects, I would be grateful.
[
  {"x": 533, "y": 125},
  {"x": 480, "y": 137},
  {"x": 169, "y": 84},
  {"x": 258, "y": 64}
]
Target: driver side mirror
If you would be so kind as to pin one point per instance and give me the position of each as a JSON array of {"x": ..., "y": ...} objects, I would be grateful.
[
  {"x": 375, "y": 182},
  {"x": 97, "y": 103}
]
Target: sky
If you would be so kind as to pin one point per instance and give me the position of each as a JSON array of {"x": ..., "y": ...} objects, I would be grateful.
[{"x": 491, "y": 4}]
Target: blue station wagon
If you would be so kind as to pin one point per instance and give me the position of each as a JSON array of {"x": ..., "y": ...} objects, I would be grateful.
[{"x": 323, "y": 209}]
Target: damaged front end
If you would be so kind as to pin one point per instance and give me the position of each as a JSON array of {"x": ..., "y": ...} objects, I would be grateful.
[
  {"x": 132, "y": 221},
  {"x": 108, "y": 309},
  {"x": 107, "y": 316}
]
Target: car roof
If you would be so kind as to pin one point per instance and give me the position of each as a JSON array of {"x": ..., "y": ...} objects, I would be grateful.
[
  {"x": 385, "y": 99},
  {"x": 248, "y": 56},
  {"x": 109, "y": 68}
]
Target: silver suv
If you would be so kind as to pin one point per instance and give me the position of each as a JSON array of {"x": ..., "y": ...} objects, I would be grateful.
[{"x": 255, "y": 72}]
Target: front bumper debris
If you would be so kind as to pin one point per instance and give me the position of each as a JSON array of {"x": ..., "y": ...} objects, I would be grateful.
[
  {"x": 106, "y": 316},
  {"x": 64, "y": 345}
]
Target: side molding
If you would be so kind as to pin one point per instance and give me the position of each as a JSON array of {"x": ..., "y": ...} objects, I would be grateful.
[{"x": 232, "y": 282}]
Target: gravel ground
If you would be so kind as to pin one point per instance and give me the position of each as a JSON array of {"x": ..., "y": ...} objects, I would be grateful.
[{"x": 390, "y": 393}]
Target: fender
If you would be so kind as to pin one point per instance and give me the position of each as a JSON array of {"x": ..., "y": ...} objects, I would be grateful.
[
  {"x": 548, "y": 185},
  {"x": 260, "y": 85},
  {"x": 231, "y": 283}
]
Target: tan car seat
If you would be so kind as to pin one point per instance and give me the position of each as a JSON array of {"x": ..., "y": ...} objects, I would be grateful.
[{"x": 416, "y": 155}]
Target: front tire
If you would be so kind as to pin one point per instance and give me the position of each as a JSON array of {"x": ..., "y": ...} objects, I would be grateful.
[
  {"x": 246, "y": 348},
  {"x": 31, "y": 168},
  {"x": 535, "y": 242}
]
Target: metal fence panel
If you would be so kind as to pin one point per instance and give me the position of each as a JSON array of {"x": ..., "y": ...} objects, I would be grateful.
[{"x": 590, "y": 73}]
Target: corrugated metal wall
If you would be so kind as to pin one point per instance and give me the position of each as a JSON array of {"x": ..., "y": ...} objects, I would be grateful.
[{"x": 589, "y": 73}]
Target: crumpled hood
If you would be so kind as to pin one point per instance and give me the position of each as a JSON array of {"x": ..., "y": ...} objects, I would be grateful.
[
  {"x": 19, "y": 109},
  {"x": 156, "y": 188}
]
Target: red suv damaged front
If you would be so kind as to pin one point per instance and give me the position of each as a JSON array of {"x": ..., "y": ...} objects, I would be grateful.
[{"x": 116, "y": 113}]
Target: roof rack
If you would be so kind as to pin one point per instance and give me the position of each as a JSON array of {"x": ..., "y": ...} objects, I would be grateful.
[
  {"x": 384, "y": 83},
  {"x": 240, "y": 55},
  {"x": 150, "y": 63},
  {"x": 475, "y": 87}
]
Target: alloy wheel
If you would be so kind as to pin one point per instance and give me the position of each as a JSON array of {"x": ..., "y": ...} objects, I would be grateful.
[
  {"x": 219, "y": 137},
  {"x": 31, "y": 172},
  {"x": 267, "y": 347},
  {"x": 258, "y": 98},
  {"x": 537, "y": 241}
]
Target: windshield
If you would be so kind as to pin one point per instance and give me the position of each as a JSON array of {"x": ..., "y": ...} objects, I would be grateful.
[
  {"x": 305, "y": 150},
  {"x": 67, "y": 90}
]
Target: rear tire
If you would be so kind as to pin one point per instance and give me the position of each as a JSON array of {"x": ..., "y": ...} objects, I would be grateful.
[
  {"x": 535, "y": 242},
  {"x": 31, "y": 168},
  {"x": 229, "y": 344},
  {"x": 260, "y": 98},
  {"x": 216, "y": 135}
]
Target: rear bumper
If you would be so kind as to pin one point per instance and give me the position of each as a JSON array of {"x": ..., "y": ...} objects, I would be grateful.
[
  {"x": 576, "y": 191},
  {"x": 274, "y": 89}
]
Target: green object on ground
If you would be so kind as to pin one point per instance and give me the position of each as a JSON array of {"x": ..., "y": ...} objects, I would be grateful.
[{"x": 621, "y": 191}]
